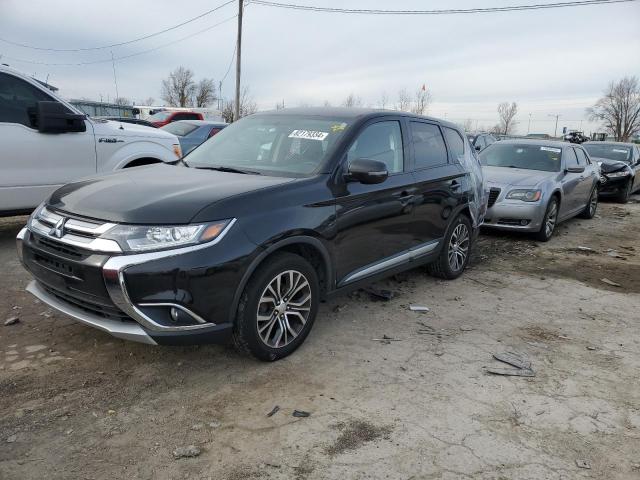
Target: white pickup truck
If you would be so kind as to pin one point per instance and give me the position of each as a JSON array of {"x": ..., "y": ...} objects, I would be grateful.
[{"x": 45, "y": 143}]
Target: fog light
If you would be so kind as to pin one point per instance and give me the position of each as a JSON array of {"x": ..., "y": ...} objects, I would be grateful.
[
  {"x": 174, "y": 312},
  {"x": 524, "y": 222}
]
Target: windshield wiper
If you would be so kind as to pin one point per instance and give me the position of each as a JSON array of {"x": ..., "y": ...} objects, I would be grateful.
[{"x": 221, "y": 168}]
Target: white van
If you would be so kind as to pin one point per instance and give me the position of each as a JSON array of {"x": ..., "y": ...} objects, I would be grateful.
[{"x": 46, "y": 143}]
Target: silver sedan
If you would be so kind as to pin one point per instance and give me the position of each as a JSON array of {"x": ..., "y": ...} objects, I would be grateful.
[{"x": 536, "y": 184}]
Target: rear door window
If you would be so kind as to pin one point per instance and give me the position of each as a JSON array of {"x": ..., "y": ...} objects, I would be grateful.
[
  {"x": 455, "y": 141},
  {"x": 428, "y": 145}
]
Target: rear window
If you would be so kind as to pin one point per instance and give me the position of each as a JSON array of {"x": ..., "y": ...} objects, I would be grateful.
[
  {"x": 428, "y": 145},
  {"x": 455, "y": 141},
  {"x": 180, "y": 128},
  {"x": 527, "y": 156}
]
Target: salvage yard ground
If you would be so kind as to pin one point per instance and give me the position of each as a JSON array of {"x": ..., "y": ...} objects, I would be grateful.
[{"x": 76, "y": 403}]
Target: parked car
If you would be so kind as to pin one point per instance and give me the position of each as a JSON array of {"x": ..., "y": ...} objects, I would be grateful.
[
  {"x": 480, "y": 141},
  {"x": 46, "y": 143},
  {"x": 620, "y": 167},
  {"x": 244, "y": 237},
  {"x": 134, "y": 121},
  {"x": 165, "y": 117},
  {"x": 536, "y": 184},
  {"x": 192, "y": 133}
]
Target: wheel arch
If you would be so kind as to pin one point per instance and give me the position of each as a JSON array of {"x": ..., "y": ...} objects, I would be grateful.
[
  {"x": 309, "y": 248},
  {"x": 138, "y": 162}
]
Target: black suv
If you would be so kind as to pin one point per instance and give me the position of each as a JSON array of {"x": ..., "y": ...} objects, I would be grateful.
[{"x": 247, "y": 234}]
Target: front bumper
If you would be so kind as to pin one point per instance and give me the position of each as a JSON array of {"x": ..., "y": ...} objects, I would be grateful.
[
  {"x": 613, "y": 186},
  {"x": 131, "y": 296},
  {"x": 515, "y": 215}
]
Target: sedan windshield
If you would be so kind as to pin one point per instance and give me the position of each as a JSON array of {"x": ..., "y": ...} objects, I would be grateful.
[
  {"x": 527, "y": 156},
  {"x": 288, "y": 145},
  {"x": 180, "y": 128},
  {"x": 610, "y": 152}
]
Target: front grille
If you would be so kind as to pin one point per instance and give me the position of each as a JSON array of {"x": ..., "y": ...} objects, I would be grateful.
[
  {"x": 54, "y": 264},
  {"x": 494, "y": 193},
  {"x": 107, "y": 311},
  {"x": 50, "y": 245}
]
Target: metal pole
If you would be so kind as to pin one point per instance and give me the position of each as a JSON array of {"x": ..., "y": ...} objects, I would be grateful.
[
  {"x": 236, "y": 114},
  {"x": 529, "y": 127},
  {"x": 115, "y": 80},
  {"x": 555, "y": 132}
]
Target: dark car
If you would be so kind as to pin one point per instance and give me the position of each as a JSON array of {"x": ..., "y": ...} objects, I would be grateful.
[
  {"x": 244, "y": 237},
  {"x": 164, "y": 117},
  {"x": 192, "y": 133},
  {"x": 619, "y": 166},
  {"x": 135, "y": 121},
  {"x": 480, "y": 141}
]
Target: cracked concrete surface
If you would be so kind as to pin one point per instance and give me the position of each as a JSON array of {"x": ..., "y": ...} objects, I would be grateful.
[{"x": 76, "y": 403}]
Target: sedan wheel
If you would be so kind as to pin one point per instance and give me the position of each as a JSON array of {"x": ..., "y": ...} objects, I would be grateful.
[
  {"x": 283, "y": 308},
  {"x": 549, "y": 221}
]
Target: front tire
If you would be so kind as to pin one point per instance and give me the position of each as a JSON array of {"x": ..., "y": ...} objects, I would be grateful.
[
  {"x": 277, "y": 308},
  {"x": 623, "y": 196},
  {"x": 454, "y": 255},
  {"x": 549, "y": 221}
]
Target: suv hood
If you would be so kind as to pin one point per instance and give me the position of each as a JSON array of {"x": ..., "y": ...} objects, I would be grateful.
[
  {"x": 121, "y": 129},
  {"x": 608, "y": 165},
  {"x": 515, "y": 176},
  {"x": 155, "y": 194}
]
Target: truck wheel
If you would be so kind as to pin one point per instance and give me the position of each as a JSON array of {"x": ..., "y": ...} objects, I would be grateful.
[
  {"x": 277, "y": 308},
  {"x": 591, "y": 207},
  {"x": 549, "y": 222},
  {"x": 455, "y": 251}
]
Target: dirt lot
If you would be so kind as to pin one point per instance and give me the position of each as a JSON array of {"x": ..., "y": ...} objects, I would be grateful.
[{"x": 76, "y": 403}]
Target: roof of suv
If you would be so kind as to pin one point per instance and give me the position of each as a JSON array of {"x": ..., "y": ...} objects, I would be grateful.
[{"x": 351, "y": 113}]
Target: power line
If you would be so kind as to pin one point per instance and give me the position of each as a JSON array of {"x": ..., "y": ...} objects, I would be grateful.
[
  {"x": 450, "y": 11},
  {"x": 120, "y": 44},
  {"x": 116, "y": 59}
]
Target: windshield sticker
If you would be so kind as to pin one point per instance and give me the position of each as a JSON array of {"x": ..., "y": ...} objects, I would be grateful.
[
  {"x": 551, "y": 149},
  {"x": 308, "y": 134},
  {"x": 338, "y": 127},
  {"x": 618, "y": 150}
]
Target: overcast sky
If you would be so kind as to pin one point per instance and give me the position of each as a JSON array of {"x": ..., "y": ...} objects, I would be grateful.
[{"x": 549, "y": 61}]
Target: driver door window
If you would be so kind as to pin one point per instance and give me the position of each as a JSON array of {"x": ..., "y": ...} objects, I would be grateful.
[
  {"x": 18, "y": 100},
  {"x": 381, "y": 141}
]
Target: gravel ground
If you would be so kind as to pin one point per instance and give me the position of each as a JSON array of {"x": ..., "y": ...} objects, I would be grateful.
[{"x": 78, "y": 404}]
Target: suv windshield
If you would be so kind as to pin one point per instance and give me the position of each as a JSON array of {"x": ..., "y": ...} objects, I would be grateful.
[
  {"x": 271, "y": 144},
  {"x": 610, "y": 152},
  {"x": 528, "y": 156},
  {"x": 159, "y": 117},
  {"x": 180, "y": 128}
]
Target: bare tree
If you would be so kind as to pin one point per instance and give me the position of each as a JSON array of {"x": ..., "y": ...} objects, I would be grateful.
[
  {"x": 205, "y": 93},
  {"x": 507, "y": 112},
  {"x": 384, "y": 100},
  {"x": 352, "y": 101},
  {"x": 404, "y": 101},
  {"x": 179, "y": 88},
  {"x": 247, "y": 106},
  {"x": 422, "y": 101},
  {"x": 122, "y": 101},
  {"x": 467, "y": 126},
  {"x": 326, "y": 103},
  {"x": 619, "y": 109},
  {"x": 149, "y": 101}
]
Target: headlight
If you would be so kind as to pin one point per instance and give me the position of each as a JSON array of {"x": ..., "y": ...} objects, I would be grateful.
[
  {"x": 140, "y": 238},
  {"x": 525, "y": 195},
  {"x": 621, "y": 173}
]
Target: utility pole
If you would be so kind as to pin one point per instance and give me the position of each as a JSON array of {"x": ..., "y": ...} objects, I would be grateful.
[
  {"x": 555, "y": 132},
  {"x": 236, "y": 113},
  {"x": 529, "y": 127},
  {"x": 220, "y": 95},
  {"x": 115, "y": 80}
]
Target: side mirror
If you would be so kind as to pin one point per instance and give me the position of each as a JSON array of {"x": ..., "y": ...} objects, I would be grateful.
[
  {"x": 478, "y": 148},
  {"x": 54, "y": 117},
  {"x": 367, "y": 171},
  {"x": 574, "y": 169}
]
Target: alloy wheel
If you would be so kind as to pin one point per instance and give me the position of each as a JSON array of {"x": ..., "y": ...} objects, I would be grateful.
[
  {"x": 283, "y": 308},
  {"x": 550, "y": 223},
  {"x": 458, "y": 247},
  {"x": 593, "y": 203}
]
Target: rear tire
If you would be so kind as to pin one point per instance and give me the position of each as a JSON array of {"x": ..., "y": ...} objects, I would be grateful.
[
  {"x": 592, "y": 205},
  {"x": 549, "y": 221},
  {"x": 277, "y": 308},
  {"x": 454, "y": 255}
]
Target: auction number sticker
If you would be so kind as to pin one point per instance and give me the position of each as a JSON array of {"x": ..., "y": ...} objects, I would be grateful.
[
  {"x": 309, "y": 134},
  {"x": 619, "y": 150},
  {"x": 551, "y": 149}
]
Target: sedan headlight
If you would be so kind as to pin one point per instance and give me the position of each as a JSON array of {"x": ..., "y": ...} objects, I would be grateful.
[
  {"x": 621, "y": 173},
  {"x": 142, "y": 238},
  {"x": 525, "y": 195}
]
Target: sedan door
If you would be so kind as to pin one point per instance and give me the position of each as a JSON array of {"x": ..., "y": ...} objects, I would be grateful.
[
  {"x": 375, "y": 222},
  {"x": 588, "y": 179},
  {"x": 571, "y": 191}
]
